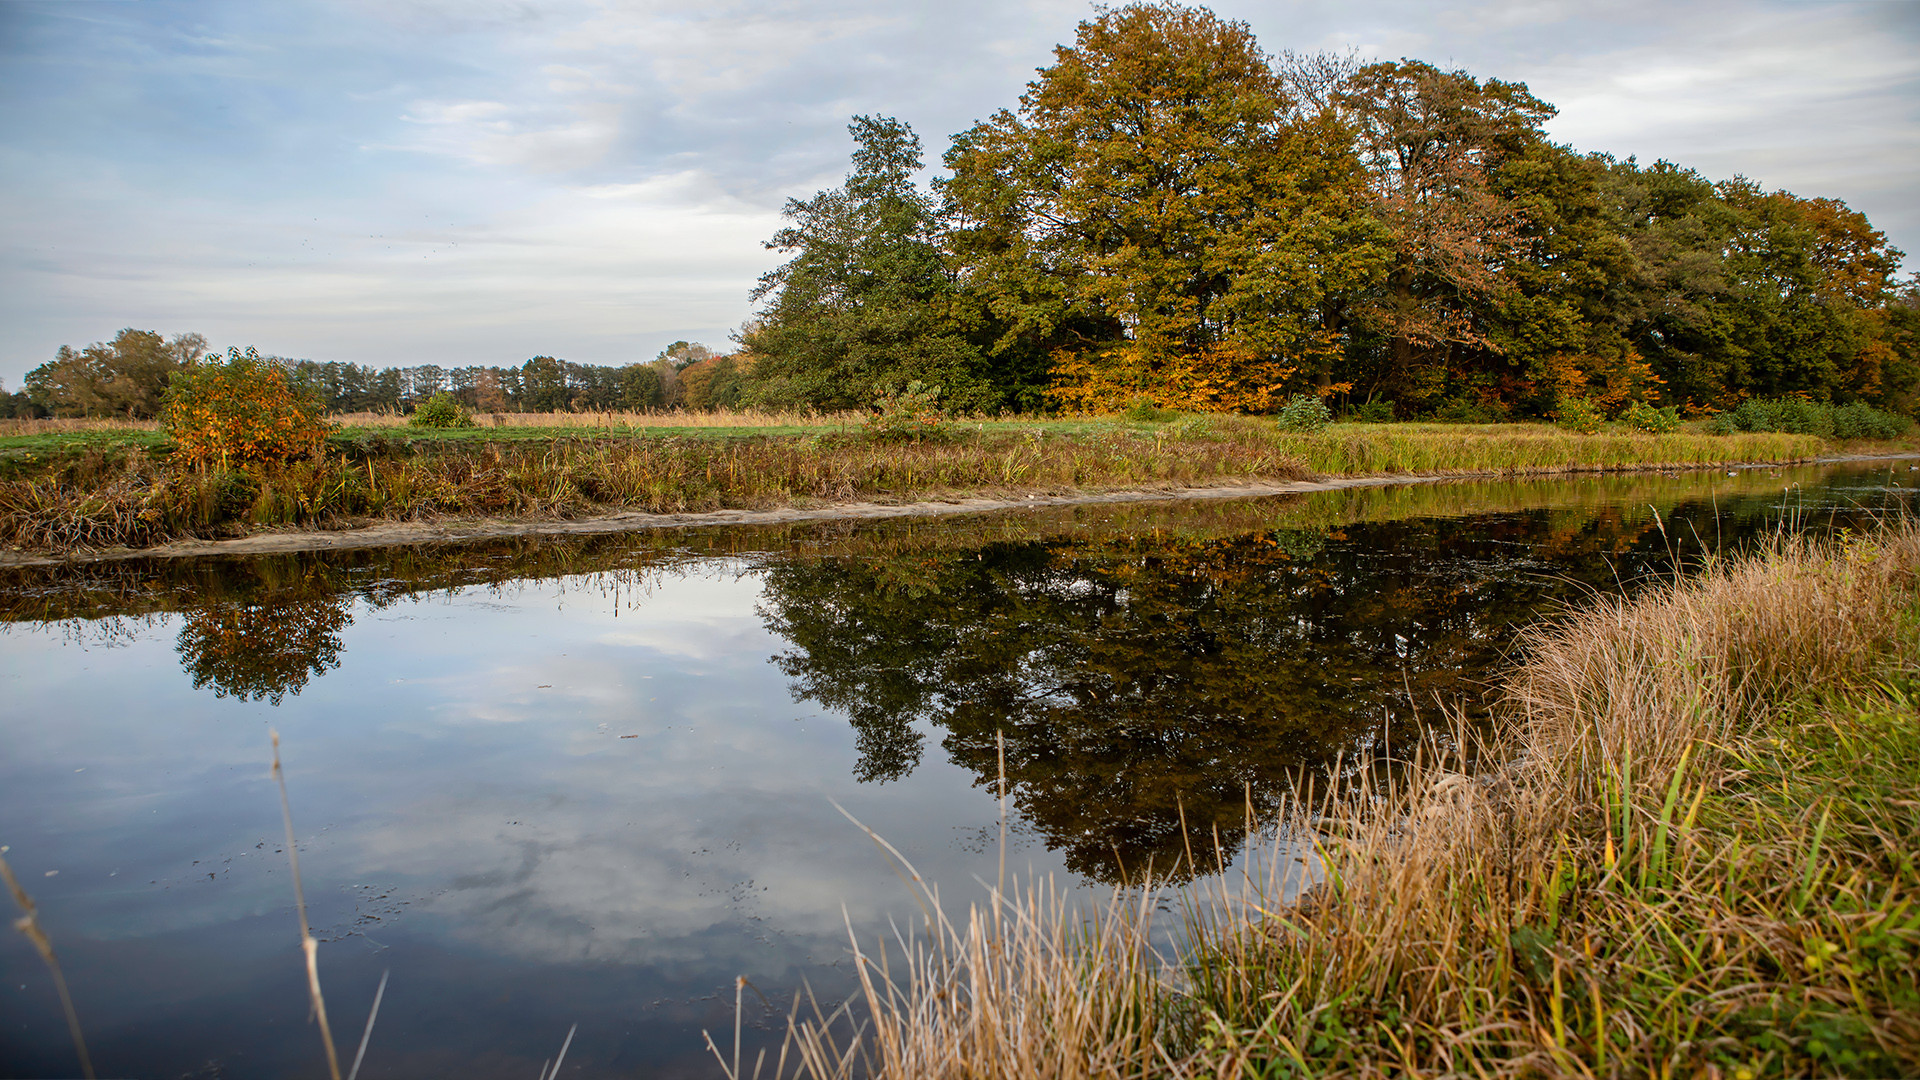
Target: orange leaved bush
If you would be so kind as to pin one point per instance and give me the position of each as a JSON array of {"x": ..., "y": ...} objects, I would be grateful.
[
  {"x": 1224, "y": 377},
  {"x": 241, "y": 409}
]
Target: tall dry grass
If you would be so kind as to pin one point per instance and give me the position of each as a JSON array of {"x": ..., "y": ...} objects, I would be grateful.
[
  {"x": 1417, "y": 448},
  {"x": 1628, "y": 685},
  {"x": 67, "y": 425},
  {"x": 93, "y": 496},
  {"x": 1687, "y": 853},
  {"x": 105, "y": 499},
  {"x": 617, "y": 421}
]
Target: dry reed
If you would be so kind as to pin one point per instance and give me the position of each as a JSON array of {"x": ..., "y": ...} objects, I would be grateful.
[
  {"x": 617, "y": 421},
  {"x": 29, "y": 925},
  {"x": 103, "y": 499},
  {"x": 1688, "y": 852},
  {"x": 15, "y": 426},
  {"x": 308, "y": 944},
  {"x": 98, "y": 496}
]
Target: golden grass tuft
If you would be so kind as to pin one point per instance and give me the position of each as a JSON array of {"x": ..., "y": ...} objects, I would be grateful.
[{"x": 1631, "y": 683}]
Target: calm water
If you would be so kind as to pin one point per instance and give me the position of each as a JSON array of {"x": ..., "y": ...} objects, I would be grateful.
[{"x": 590, "y": 782}]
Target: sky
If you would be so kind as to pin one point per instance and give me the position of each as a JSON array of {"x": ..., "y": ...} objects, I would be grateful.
[{"x": 398, "y": 182}]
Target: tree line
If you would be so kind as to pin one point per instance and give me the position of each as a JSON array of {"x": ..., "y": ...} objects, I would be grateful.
[
  {"x": 1170, "y": 215},
  {"x": 125, "y": 377}
]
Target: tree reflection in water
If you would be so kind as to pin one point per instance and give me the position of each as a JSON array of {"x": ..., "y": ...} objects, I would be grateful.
[
  {"x": 262, "y": 649},
  {"x": 1143, "y": 682},
  {"x": 1147, "y": 663}
]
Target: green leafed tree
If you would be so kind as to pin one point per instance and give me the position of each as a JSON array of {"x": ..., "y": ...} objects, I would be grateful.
[
  {"x": 641, "y": 387},
  {"x": 1430, "y": 141},
  {"x": 866, "y": 303},
  {"x": 1161, "y": 218},
  {"x": 123, "y": 377}
]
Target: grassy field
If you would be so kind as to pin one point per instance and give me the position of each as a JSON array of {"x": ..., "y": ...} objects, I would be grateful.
[
  {"x": 1689, "y": 851},
  {"x": 74, "y": 485}
]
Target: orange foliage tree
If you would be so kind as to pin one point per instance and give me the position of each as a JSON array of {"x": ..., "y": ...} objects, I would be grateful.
[{"x": 241, "y": 409}]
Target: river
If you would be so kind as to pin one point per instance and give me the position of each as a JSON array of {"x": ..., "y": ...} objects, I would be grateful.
[{"x": 546, "y": 783}]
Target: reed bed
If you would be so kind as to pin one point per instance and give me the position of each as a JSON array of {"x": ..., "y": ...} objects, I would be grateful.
[
  {"x": 16, "y": 426},
  {"x": 627, "y": 420},
  {"x": 107, "y": 499},
  {"x": 1687, "y": 851},
  {"x": 86, "y": 489},
  {"x": 1423, "y": 449}
]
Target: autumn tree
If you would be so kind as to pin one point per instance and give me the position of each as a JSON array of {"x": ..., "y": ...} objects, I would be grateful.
[
  {"x": 1430, "y": 141},
  {"x": 243, "y": 408},
  {"x": 1160, "y": 217},
  {"x": 718, "y": 382},
  {"x": 123, "y": 377},
  {"x": 867, "y": 302}
]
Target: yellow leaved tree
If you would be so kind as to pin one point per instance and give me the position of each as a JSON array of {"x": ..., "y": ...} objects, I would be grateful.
[{"x": 241, "y": 409}]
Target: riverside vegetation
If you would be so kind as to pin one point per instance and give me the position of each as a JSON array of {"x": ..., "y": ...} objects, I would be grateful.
[
  {"x": 91, "y": 489},
  {"x": 1688, "y": 850}
]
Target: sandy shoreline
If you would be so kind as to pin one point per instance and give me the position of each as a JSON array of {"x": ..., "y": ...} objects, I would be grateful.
[{"x": 394, "y": 533}]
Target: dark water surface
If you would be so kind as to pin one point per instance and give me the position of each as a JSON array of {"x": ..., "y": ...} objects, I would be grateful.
[{"x": 591, "y": 781}]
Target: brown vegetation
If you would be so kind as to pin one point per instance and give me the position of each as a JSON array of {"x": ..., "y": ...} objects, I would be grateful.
[
  {"x": 86, "y": 494},
  {"x": 104, "y": 499}
]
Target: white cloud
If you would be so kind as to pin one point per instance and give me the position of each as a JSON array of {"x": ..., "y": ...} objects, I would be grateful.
[{"x": 479, "y": 182}]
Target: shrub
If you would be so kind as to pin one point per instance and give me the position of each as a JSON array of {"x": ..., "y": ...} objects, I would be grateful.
[
  {"x": 1578, "y": 414},
  {"x": 1801, "y": 417},
  {"x": 1304, "y": 412},
  {"x": 241, "y": 409},
  {"x": 1795, "y": 416},
  {"x": 1146, "y": 412},
  {"x": 910, "y": 414},
  {"x": 440, "y": 411},
  {"x": 1641, "y": 416},
  {"x": 1863, "y": 421}
]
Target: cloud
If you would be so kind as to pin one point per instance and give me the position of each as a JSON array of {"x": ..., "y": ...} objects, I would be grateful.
[
  {"x": 460, "y": 183},
  {"x": 488, "y": 133}
]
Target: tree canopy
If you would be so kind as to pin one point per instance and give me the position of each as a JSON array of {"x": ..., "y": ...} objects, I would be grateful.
[
  {"x": 1169, "y": 214},
  {"x": 123, "y": 377}
]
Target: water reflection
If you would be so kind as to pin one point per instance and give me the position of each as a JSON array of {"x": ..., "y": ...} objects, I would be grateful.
[
  {"x": 262, "y": 649},
  {"x": 1148, "y": 683},
  {"x": 549, "y": 782}
]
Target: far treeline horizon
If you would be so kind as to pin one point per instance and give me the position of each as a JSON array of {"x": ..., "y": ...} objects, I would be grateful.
[{"x": 1171, "y": 216}]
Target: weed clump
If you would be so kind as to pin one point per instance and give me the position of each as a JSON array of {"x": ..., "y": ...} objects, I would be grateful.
[
  {"x": 1641, "y": 416},
  {"x": 909, "y": 414},
  {"x": 1579, "y": 414}
]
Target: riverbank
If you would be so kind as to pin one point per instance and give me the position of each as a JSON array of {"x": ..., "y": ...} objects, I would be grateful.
[
  {"x": 114, "y": 502},
  {"x": 1687, "y": 852}
]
